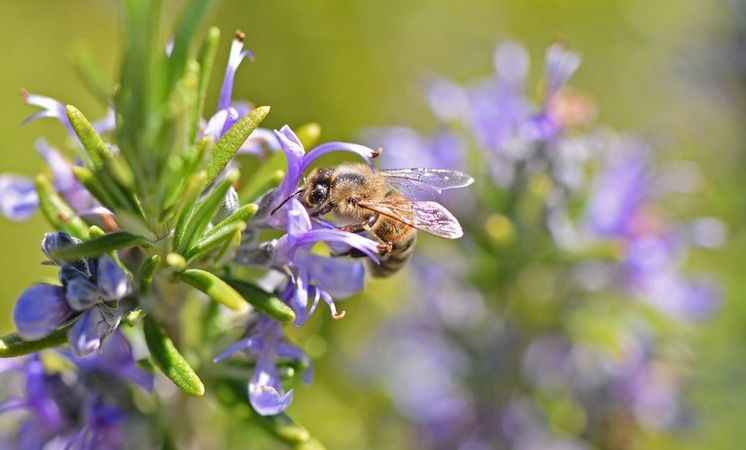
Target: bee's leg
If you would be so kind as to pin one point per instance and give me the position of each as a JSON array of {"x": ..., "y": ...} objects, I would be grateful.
[
  {"x": 362, "y": 226},
  {"x": 366, "y": 226}
]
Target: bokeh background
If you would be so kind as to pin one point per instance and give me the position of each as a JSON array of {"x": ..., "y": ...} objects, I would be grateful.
[{"x": 669, "y": 70}]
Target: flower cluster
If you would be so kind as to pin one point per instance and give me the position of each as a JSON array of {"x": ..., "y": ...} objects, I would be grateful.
[
  {"x": 86, "y": 405},
  {"x": 152, "y": 219},
  {"x": 572, "y": 351}
]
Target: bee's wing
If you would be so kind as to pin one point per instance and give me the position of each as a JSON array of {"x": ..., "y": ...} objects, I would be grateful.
[
  {"x": 425, "y": 183},
  {"x": 427, "y": 216}
]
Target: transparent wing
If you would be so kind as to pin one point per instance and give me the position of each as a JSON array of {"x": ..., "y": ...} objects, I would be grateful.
[
  {"x": 418, "y": 183},
  {"x": 427, "y": 216}
]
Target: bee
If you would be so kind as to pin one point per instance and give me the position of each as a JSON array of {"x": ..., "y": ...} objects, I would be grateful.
[{"x": 383, "y": 203}]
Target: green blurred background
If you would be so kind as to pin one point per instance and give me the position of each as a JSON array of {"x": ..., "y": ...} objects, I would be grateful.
[{"x": 349, "y": 64}]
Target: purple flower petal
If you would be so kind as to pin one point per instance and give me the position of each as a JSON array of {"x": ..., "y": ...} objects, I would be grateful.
[
  {"x": 215, "y": 125},
  {"x": 40, "y": 310},
  {"x": 511, "y": 62},
  {"x": 18, "y": 198},
  {"x": 56, "y": 240},
  {"x": 38, "y": 395},
  {"x": 299, "y": 221},
  {"x": 93, "y": 326},
  {"x": 81, "y": 294},
  {"x": 236, "y": 56},
  {"x": 265, "y": 392},
  {"x": 50, "y": 108},
  {"x": 448, "y": 101},
  {"x": 259, "y": 140},
  {"x": 618, "y": 193},
  {"x": 107, "y": 123},
  {"x": 116, "y": 358},
  {"x": 365, "y": 245},
  {"x": 239, "y": 346},
  {"x": 297, "y": 297},
  {"x": 338, "y": 276},
  {"x": 294, "y": 153},
  {"x": 65, "y": 182},
  {"x": 364, "y": 152},
  {"x": 111, "y": 279},
  {"x": 560, "y": 66}
]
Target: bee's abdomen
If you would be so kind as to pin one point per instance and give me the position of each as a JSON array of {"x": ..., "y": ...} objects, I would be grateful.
[{"x": 396, "y": 259}]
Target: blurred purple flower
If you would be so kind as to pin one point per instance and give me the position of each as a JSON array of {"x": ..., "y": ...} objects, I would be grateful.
[
  {"x": 62, "y": 413},
  {"x": 619, "y": 191},
  {"x": 65, "y": 183},
  {"x": 50, "y": 108},
  {"x": 560, "y": 65},
  {"x": 266, "y": 343},
  {"x": 404, "y": 147},
  {"x": 18, "y": 199},
  {"x": 116, "y": 359},
  {"x": 448, "y": 101}
]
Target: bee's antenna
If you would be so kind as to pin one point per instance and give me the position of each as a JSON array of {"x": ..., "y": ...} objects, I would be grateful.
[{"x": 299, "y": 191}]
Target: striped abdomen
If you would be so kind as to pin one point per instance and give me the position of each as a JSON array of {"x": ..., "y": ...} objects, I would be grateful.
[{"x": 402, "y": 246}]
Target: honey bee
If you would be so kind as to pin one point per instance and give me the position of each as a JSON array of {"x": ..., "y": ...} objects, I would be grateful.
[{"x": 384, "y": 205}]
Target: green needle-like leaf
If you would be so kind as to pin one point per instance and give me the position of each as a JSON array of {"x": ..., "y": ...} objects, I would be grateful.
[
  {"x": 242, "y": 214},
  {"x": 13, "y": 345},
  {"x": 92, "y": 184},
  {"x": 214, "y": 240},
  {"x": 214, "y": 287},
  {"x": 204, "y": 211},
  {"x": 257, "y": 187},
  {"x": 283, "y": 428},
  {"x": 57, "y": 211},
  {"x": 146, "y": 272},
  {"x": 263, "y": 301},
  {"x": 194, "y": 187},
  {"x": 206, "y": 60},
  {"x": 99, "y": 246},
  {"x": 231, "y": 141},
  {"x": 311, "y": 444},
  {"x": 94, "y": 146},
  {"x": 168, "y": 359},
  {"x": 185, "y": 30}
]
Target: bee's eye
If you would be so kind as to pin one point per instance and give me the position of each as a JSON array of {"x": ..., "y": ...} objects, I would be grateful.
[{"x": 318, "y": 194}]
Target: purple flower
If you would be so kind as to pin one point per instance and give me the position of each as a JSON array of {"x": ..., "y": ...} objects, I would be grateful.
[
  {"x": 18, "y": 199},
  {"x": 265, "y": 343},
  {"x": 560, "y": 65},
  {"x": 448, "y": 101},
  {"x": 619, "y": 192},
  {"x": 229, "y": 112},
  {"x": 62, "y": 412},
  {"x": 91, "y": 288},
  {"x": 297, "y": 163},
  {"x": 405, "y": 147},
  {"x": 101, "y": 427},
  {"x": 50, "y": 108},
  {"x": 317, "y": 277},
  {"x": 40, "y": 310},
  {"x": 116, "y": 359},
  {"x": 65, "y": 182}
]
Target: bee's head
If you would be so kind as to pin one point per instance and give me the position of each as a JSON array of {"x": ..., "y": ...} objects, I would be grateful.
[{"x": 317, "y": 191}]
